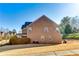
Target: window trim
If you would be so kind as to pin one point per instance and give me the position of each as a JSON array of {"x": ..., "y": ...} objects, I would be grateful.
[
  {"x": 42, "y": 37},
  {"x": 57, "y": 29},
  {"x": 46, "y": 29},
  {"x": 29, "y": 30}
]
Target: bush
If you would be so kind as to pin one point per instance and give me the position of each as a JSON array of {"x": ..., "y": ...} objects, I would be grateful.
[{"x": 15, "y": 40}]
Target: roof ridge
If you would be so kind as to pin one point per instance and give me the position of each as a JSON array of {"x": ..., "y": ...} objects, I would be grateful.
[{"x": 42, "y": 17}]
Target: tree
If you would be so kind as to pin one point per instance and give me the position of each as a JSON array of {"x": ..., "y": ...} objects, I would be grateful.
[
  {"x": 64, "y": 22},
  {"x": 10, "y": 32},
  {"x": 75, "y": 24},
  {"x": 68, "y": 29},
  {"x": 14, "y": 31}
]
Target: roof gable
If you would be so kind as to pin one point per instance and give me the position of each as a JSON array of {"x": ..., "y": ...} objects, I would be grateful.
[{"x": 41, "y": 18}]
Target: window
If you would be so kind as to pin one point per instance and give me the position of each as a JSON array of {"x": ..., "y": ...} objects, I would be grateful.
[
  {"x": 29, "y": 29},
  {"x": 45, "y": 29},
  {"x": 42, "y": 37},
  {"x": 19, "y": 35},
  {"x": 57, "y": 29}
]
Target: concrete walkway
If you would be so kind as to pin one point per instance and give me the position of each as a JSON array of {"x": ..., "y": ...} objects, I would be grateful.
[{"x": 57, "y": 53}]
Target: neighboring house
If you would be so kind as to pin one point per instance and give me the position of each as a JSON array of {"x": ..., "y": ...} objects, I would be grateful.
[
  {"x": 26, "y": 23},
  {"x": 43, "y": 30},
  {"x": 4, "y": 34}
]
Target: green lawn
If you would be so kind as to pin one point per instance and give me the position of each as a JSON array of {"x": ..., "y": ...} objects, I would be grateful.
[{"x": 71, "y": 36}]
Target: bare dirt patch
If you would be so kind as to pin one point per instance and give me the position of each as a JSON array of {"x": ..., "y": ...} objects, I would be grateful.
[
  {"x": 70, "y": 41},
  {"x": 72, "y": 55}
]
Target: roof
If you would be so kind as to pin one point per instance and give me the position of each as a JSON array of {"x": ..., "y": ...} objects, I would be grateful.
[
  {"x": 43, "y": 16},
  {"x": 26, "y": 24}
]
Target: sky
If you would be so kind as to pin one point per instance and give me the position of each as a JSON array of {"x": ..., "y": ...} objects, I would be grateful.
[{"x": 14, "y": 15}]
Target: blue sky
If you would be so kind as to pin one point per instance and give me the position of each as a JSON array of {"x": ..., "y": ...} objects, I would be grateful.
[{"x": 13, "y": 16}]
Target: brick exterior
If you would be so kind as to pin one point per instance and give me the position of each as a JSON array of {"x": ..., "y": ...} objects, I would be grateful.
[{"x": 37, "y": 33}]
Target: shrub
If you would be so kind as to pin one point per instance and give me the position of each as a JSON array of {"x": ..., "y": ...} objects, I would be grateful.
[{"x": 15, "y": 40}]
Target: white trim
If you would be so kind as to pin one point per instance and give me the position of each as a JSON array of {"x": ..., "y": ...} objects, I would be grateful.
[
  {"x": 29, "y": 29},
  {"x": 46, "y": 29}
]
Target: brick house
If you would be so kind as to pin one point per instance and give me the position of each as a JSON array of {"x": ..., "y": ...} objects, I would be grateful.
[{"x": 43, "y": 30}]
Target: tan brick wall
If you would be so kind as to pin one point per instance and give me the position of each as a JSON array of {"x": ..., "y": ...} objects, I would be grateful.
[{"x": 52, "y": 36}]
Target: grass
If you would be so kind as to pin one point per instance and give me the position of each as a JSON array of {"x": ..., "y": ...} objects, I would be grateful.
[
  {"x": 71, "y": 36},
  {"x": 38, "y": 50}
]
